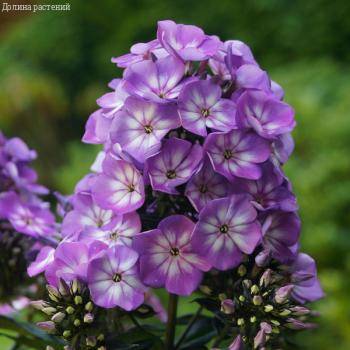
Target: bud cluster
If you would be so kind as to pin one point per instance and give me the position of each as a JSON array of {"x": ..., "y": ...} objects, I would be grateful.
[
  {"x": 256, "y": 305},
  {"x": 73, "y": 316}
]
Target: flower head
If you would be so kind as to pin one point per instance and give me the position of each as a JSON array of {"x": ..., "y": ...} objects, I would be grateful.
[
  {"x": 186, "y": 41},
  {"x": 141, "y": 125},
  {"x": 201, "y": 106},
  {"x": 237, "y": 153},
  {"x": 120, "y": 186},
  {"x": 226, "y": 228},
  {"x": 174, "y": 164},
  {"x": 113, "y": 279},
  {"x": 168, "y": 258}
]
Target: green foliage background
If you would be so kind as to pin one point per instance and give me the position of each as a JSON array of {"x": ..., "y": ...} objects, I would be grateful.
[{"x": 53, "y": 66}]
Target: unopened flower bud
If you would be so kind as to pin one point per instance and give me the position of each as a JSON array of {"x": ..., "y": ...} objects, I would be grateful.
[
  {"x": 242, "y": 270},
  {"x": 49, "y": 310},
  {"x": 63, "y": 288},
  {"x": 53, "y": 292},
  {"x": 268, "y": 308},
  {"x": 228, "y": 306},
  {"x": 283, "y": 293},
  {"x": 75, "y": 286},
  {"x": 70, "y": 310},
  {"x": 222, "y": 296},
  {"x": 66, "y": 334},
  {"x": 257, "y": 300},
  {"x": 205, "y": 289},
  {"x": 91, "y": 341},
  {"x": 298, "y": 325},
  {"x": 101, "y": 337},
  {"x": 247, "y": 283},
  {"x": 266, "y": 327},
  {"x": 300, "y": 310},
  {"x": 88, "y": 318},
  {"x": 275, "y": 322},
  {"x": 253, "y": 319},
  {"x": 47, "y": 326},
  {"x": 259, "y": 339},
  {"x": 240, "y": 322},
  {"x": 265, "y": 279},
  {"x": 78, "y": 300},
  {"x": 58, "y": 317},
  {"x": 241, "y": 298},
  {"x": 77, "y": 322},
  {"x": 254, "y": 289},
  {"x": 285, "y": 312},
  {"x": 39, "y": 304},
  {"x": 89, "y": 306}
]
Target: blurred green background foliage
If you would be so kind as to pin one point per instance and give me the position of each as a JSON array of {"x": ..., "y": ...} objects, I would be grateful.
[{"x": 53, "y": 66}]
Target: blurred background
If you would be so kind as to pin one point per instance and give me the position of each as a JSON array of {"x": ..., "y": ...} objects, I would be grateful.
[{"x": 53, "y": 66}]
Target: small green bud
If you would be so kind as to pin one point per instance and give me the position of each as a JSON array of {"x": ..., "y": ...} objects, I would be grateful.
[
  {"x": 77, "y": 322},
  {"x": 285, "y": 312},
  {"x": 205, "y": 289},
  {"x": 89, "y": 306},
  {"x": 268, "y": 308},
  {"x": 222, "y": 296},
  {"x": 39, "y": 304},
  {"x": 53, "y": 291},
  {"x": 242, "y": 270},
  {"x": 257, "y": 300},
  {"x": 240, "y": 322},
  {"x": 67, "y": 334},
  {"x": 49, "y": 310},
  {"x": 275, "y": 330},
  {"x": 78, "y": 300},
  {"x": 75, "y": 286},
  {"x": 70, "y": 310},
  {"x": 241, "y": 298},
  {"x": 254, "y": 289},
  {"x": 275, "y": 322},
  {"x": 58, "y": 317},
  {"x": 101, "y": 337},
  {"x": 91, "y": 341},
  {"x": 247, "y": 283},
  {"x": 253, "y": 319}
]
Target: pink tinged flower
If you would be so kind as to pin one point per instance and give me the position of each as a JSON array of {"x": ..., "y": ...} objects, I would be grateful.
[
  {"x": 113, "y": 279},
  {"x": 120, "y": 230},
  {"x": 187, "y": 42},
  {"x": 30, "y": 219},
  {"x": 158, "y": 81},
  {"x": 97, "y": 128},
  {"x": 71, "y": 261},
  {"x": 226, "y": 228},
  {"x": 86, "y": 214},
  {"x": 120, "y": 187},
  {"x": 42, "y": 261},
  {"x": 177, "y": 161},
  {"x": 140, "y": 52},
  {"x": 205, "y": 186},
  {"x": 168, "y": 258},
  {"x": 307, "y": 287},
  {"x": 237, "y": 153},
  {"x": 112, "y": 102},
  {"x": 201, "y": 106},
  {"x": 237, "y": 344},
  {"x": 267, "y": 116},
  {"x": 268, "y": 192},
  {"x": 280, "y": 234},
  {"x": 141, "y": 125}
]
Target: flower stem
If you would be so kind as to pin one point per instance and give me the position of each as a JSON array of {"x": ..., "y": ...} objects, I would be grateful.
[
  {"x": 171, "y": 324},
  {"x": 189, "y": 326}
]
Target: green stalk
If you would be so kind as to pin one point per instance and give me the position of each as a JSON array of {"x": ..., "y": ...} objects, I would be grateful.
[{"x": 171, "y": 324}]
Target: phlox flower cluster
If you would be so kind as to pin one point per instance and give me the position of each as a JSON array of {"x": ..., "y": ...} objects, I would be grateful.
[{"x": 189, "y": 185}]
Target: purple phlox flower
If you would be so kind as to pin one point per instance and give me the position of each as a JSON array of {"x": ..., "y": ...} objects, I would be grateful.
[
  {"x": 201, "y": 106},
  {"x": 268, "y": 192},
  {"x": 205, "y": 186},
  {"x": 141, "y": 125},
  {"x": 120, "y": 187},
  {"x": 283, "y": 147},
  {"x": 237, "y": 344},
  {"x": 71, "y": 261},
  {"x": 177, "y": 161},
  {"x": 97, "y": 128},
  {"x": 113, "y": 279},
  {"x": 159, "y": 81},
  {"x": 30, "y": 219},
  {"x": 304, "y": 278},
  {"x": 280, "y": 234},
  {"x": 120, "y": 230},
  {"x": 187, "y": 42},
  {"x": 86, "y": 213},
  {"x": 168, "y": 257},
  {"x": 226, "y": 228},
  {"x": 140, "y": 52},
  {"x": 17, "y": 151},
  {"x": 111, "y": 102},
  {"x": 14, "y": 306},
  {"x": 42, "y": 261},
  {"x": 237, "y": 54},
  {"x": 237, "y": 153},
  {"x": 277, "y": 90},
  {"x": 152, "y": 300},
  {"x": 267, "y": 116}
]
